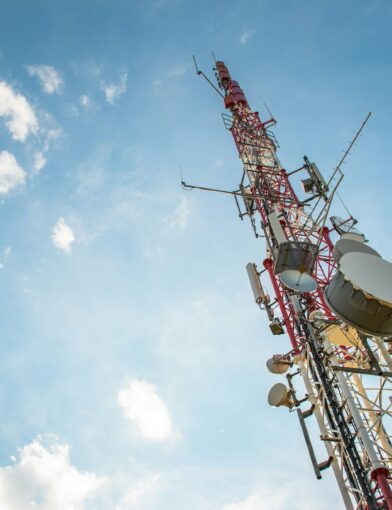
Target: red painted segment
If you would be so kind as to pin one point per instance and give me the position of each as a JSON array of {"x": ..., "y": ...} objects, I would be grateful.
[{"x": 380, "y": 475}]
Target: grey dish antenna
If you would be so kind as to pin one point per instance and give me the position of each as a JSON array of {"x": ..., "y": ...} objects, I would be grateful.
[
  {"x": 300, "y": 282},
  {"x": 344, "y": 246},
  {"x": 279, "y": 395},
  {"x": 344, "y": 226},
  {"x": 278, "y": 364},
  {"x": 294, "y": 265},
  {"x": 360, "y": 293}
]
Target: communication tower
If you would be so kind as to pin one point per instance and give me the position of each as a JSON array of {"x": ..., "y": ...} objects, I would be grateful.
[{"x": 332, "y": 296}]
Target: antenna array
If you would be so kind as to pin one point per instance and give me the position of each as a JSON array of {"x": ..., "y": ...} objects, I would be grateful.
[{"x": 333, "y": 300}]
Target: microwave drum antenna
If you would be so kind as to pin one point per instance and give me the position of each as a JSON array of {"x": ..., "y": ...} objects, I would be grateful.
[
  {"x": 344, "y": 246},
  {"x": 294, "y": 265},
  {"x": 360, "y": 293}
]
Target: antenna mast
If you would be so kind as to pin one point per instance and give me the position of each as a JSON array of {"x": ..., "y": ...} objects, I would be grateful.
[{"x": 332, "y": 301}]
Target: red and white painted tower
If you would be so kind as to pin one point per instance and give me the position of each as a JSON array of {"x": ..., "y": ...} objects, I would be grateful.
[{"x": 332, "y": 294}]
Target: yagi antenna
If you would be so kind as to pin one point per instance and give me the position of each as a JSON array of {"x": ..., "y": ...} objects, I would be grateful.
[
  {"x": 347, "y": 152},
  {"x": 269, "y": 112},
  {"x": 200, "y": 73},
  {"x": 322, "y": 217},
  {"x": 345, "y": 156}
]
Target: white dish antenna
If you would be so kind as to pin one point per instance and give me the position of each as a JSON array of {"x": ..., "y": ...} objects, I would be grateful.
[
  {"x": 360, "y": 238},
  {"x": 278, "y": 365},
  {"x": 344, "y": 246},
  {"x": 344, "y": 226},
  {"x": 279, "y": 396},
  {"x": 294, "y": 264},
  {"x": 300, "y": 282},
  {"x": 360, "y": 293}
]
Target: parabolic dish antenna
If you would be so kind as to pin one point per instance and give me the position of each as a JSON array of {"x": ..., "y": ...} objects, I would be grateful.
[
  {"x": 344, "y": 226},
  {"x": 278, "y": 395},
  {"x": 344, "y": 246},
  {"x": 277, "y": 365},
  {"x": 300, "y": 282},
  {"x": 360, "y": 293},
  {"x": 360, "y": 238}
]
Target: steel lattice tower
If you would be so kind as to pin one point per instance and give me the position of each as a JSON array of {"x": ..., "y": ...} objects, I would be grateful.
[{"x": 347, "y": 374}]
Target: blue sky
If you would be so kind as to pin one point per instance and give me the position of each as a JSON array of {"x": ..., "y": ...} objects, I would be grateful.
[{"x": 133, "y": 357}]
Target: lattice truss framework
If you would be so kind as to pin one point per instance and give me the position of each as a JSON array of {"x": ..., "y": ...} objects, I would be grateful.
[{"x": 336, "y": 377}]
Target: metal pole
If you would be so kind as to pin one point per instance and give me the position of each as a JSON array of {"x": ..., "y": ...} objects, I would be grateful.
[
  {"x": 379, "y": 471},
  {"x": 314, "y": 399}
]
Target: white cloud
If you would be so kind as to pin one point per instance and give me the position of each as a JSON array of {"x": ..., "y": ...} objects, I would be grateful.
[
  {"x": 177, "y": 71},
  {"x": 4, "y": 257},
  {"x": 161, "y": 83},
  {"x": 51, "y": 134},
  {"x": 50, "y": 79},
  {"x": 280, "y": 496},
  {"x": 156, "y": 252},
  {"x": 179, "y": 218},
  {"x": 246, "y": 34},
  {"x": 114, "y": 90},
  {"x": 255, "y": 502},
  {"x": 44, "y": 479},
  {"x": 21, "y": 117},
  {"x": 11, "y": 174},
  {"x": 138, "y": 492},
  {"x": 63, "y": 236},
  {"x": 142, "y": 406},
  {"x": 86, "y": 102},
  {"x": 39, "y": 161}
]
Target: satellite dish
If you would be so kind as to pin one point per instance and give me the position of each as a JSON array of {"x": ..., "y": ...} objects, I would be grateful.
[
  {"x": 300, "y": 282},
  {"x": 279, "y": 396},
  {"x": 360, "y": 293},
  {"x": 344, "y": 246},
  {"x": 344, "y": 226},
  {"x": 276, "y": 365}
]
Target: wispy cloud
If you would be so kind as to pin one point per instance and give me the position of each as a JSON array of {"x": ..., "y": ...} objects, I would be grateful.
[
  {"x": 277, "y": 495},
  {"x": 22, "y": 120},
  {"x": 113, "y": 91},
  {"x": 156, "y": 252},
  {"x": 11, "y": 174},
  {"x": 86, "y": 102},
  {"x": 246, "y": 34},
  {"x": 39, "y": 162},
  {"x": 139, "y": 491},
  {"x": 63, "y": 236},
  {"x": 142, "y": 406},
  {"x": 175, "y": 72},
  {"x": 4, "y": 257},
  {"x": 44, "y": 478},
  {"x": 50, "y": 79},
  {"x": 179, "y": 217}
]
